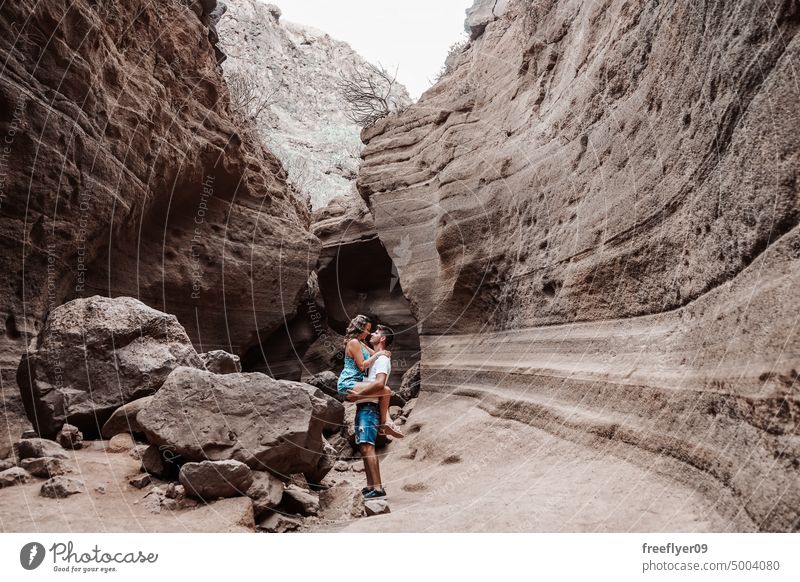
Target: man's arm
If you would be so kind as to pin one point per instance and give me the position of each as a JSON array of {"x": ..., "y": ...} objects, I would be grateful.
[{"x": 369, "y": 390}]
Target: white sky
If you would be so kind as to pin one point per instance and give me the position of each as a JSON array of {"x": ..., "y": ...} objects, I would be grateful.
[{"x": 414, "y": 34}]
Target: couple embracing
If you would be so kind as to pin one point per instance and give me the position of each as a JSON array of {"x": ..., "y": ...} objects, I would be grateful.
[{"x": 367, "y": 366}]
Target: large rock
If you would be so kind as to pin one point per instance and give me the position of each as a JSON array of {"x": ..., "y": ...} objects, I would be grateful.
[
  {"x": 326, "y": 409},
  {"x": 410, "y": 384},
  {"x": 266, "y": 492},
  {"x": 124, "y": 419},
  {"x": 603, "y": 243},
  {"x": 300, "y": 501},
  {"x": 61, "y": 487},
  {"x": 44, "y": 467},
  {"x": 94, "y": 355},
  {"x": 211, "y": 480},
  {"x": 14, "y": 476},
  {"x": 252, "y": 418},
  {"x": 325, "y": 381},
  {"x": 70, "y": 437},
  {"x": 221, "y": 362},
  {"x": 132, "y": 174},
  {"x": 481, "y": 13},
  {"x": 36, "y": 447}
]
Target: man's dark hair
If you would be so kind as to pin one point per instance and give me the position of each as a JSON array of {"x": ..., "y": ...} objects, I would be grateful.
[{"x": 386, "y": 332}]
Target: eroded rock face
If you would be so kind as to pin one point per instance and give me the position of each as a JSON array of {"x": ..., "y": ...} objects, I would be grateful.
[
  {"x": 94, "y": 355},
  {"x": 251, "y": 418},
  {"x": 603, "y": 237},
  {"x": 129, "y": 175},
  {"x": 295, "y": 70}
]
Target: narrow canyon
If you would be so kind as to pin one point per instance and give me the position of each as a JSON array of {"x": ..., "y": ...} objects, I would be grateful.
[{"x": 585, "y": 234}]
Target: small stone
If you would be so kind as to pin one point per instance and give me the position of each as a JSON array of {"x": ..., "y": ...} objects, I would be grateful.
[
  {"x": 60, "y": 487},
  {"x": 140, "y": 481},
  {"x": 124, "y": 418},
  {"x": 137, "y": 452},
  {"x": 221, "y": 362},
  {"x": 29, "y": 434},
  {"x": 14, "y": 476},
  {"x": 121, "y": 443},
  {"x": 209, "y": 480},
  {"x": 36, "y": 447},
  {"x": 341, "y": 466},
  {"x": 300, "y": 501},
  {"x": 357, "y": 467},
  {"x": 101, "y": 489},
  {"x": 266, "y": 492},
  {"x": 44, "y": 467},
  {"x": 279, "y": 523},
  {"x": 175, "y": 491},
  {"x": 376, "y": 506},
  {"x": 6, "y": 464},
  {"x": 70, "y": 437}
]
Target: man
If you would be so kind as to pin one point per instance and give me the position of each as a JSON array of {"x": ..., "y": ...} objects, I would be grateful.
[{"x": 372, "y": 397}]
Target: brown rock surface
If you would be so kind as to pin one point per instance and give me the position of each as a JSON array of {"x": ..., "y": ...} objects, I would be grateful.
[
  {"x": 94, "y": 355},
  {"x": 252, "y": 418},
  {"x": 600, "y": 209},
  {"x": 128, "y": 175}
]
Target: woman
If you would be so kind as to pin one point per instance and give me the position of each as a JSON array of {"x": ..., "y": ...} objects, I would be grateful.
[{"x": 358, "y": 357}]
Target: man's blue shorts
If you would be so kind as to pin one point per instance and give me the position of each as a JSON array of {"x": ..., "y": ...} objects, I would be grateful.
[{"x": 368, "y": 419}]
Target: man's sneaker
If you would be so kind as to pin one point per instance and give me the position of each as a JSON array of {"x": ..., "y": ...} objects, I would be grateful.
[
  {"x": 366, "y": 490},
  {"x": 375, "y": 494}
]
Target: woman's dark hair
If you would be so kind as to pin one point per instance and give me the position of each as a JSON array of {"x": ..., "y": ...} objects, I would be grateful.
[
  {"x": 386, "y": 332},
  {"x": 357, "y": 326}
]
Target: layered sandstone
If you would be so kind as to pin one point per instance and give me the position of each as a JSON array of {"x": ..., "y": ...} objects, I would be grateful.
[
  {"x": 600, "y": 209},
  {"x": 126, "y": 173}
]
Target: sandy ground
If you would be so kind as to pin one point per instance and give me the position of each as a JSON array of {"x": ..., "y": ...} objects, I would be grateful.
[
  {"x": 122, "y": 508},
  {"x": 462, "y": 470}
]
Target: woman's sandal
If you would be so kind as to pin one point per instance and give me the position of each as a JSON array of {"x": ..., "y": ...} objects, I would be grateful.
[{"x": 390, "y": 429}]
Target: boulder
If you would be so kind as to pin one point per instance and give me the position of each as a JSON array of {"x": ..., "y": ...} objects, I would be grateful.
[
  {"x": 123, "y": 419},
  {"x": 376, "y": 506},
  {"x": 209, "y": 480},
  {"x": 326, "y": 381},
  {"x": 138, "y": 451},
  {"x": 410, "y": 384},
  {"x": 481, "y": 13},
  {"x": 70, "y": 437},
  {"x": 36, "y": 447},
  {"x": 341, "y": 502},
  {"x": 279, "y": 523},
  {"x": 327, "y": 409},
  {"x": 94, "y": 355},
  {"x": 326, "y": 463},
  {"x": 140, "y": 481},
  {"x": 60, "y": 487},
  {"x": 14, "y": 476},
  {"x": 300, "y": 501},
  {"x": 121, "y": 443},
  {"x": 221, "y": 362},
  {"x": 252, "y": 418},
  {"x": 44, "y": 467},
  {"x": 159, "y": 462},
  {"x": 266, "y": 492}
]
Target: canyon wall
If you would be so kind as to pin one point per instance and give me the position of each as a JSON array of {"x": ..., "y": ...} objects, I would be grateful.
[
  {"x": 126, "y": 173},
  {"x": 599, "y": 207},
  {"x": 294, "y": 72}
]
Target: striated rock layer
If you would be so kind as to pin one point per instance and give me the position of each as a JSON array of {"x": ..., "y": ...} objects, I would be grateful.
[
  {"x": 600, "y": 209},
  {"x": 127, "y": 174}
]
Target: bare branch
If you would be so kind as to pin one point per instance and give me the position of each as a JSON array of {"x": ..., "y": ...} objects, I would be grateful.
[{"x": 368, "y": 91}]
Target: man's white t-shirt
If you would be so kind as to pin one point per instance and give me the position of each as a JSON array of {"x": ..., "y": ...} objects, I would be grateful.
[{"x": 383, "y": 365}]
